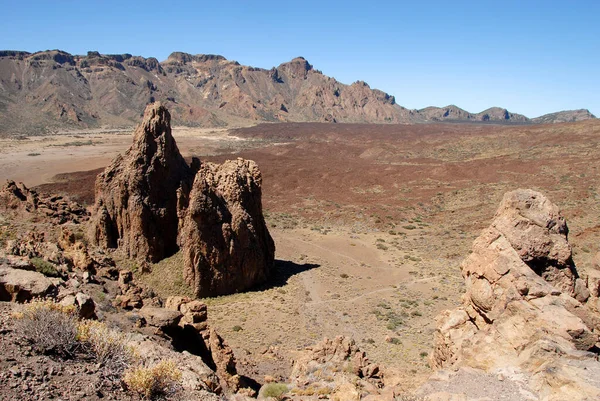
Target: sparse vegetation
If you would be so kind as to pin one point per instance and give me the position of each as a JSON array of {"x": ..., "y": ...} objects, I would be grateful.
[
  {"x": 107, "y": 346},
  {"x": 395, "y": 341},
  {"x": 78, "y": 143},
  {"x": 44, "y": 267},
  {"x": 166, "y": 277},
  {"x": 275, "y": 390},
  {"x": 49, "y": 327},
  {"x": 161, "y": 380},
  {"x": 381, "y": 246}
]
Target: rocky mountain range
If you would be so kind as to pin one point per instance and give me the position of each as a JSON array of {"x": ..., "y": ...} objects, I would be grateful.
[{"x": 49, "y": 90}]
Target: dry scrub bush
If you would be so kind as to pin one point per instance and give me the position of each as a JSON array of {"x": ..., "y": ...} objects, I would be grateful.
[
  {"x": 275, "y": 390},
  {"x": 161, "y": 380},
  {"x": 51, "y": 328},
  {"x": 107, "y": 346}
]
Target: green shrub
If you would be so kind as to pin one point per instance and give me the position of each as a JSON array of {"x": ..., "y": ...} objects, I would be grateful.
[
  {"x": 237, "y": 328},
  {"x": 275, "y": 390},
  {"x": 395, "y": 341},
  {"x": 44, "y": 267}
]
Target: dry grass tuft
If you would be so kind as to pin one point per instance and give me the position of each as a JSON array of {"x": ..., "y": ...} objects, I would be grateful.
[
  {"x": 161, "y": 380},
  {"x": 108, "y": 347}
]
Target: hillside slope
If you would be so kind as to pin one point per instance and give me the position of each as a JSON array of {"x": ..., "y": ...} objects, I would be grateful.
[{"x": 50, "y": 90}]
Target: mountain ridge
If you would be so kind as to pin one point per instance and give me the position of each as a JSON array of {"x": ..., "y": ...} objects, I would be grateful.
[{"x": 53, "y": 90}]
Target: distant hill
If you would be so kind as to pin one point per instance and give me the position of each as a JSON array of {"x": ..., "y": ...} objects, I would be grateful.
[
  {"x": 51, "y": 90},
  {"x": 564, "y": 117},
  {"x": 454, "y": 113}
]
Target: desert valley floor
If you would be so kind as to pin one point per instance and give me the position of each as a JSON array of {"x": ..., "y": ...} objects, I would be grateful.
[{"x": 370, "y": 222}]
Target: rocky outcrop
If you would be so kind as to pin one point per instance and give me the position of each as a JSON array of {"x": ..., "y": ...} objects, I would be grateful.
[
  {"x": 136, "y": 196},
  {"x": 341, "y": 354},
  {"x": 227, "y": 247},
  {"x": 523, "y": 306},
  {"x": 338, "y": 370},
  {"x": 17, "y": 285},
  {"x": 16, "y": 198},
  {"x": 147, "y": 206},
  {"x": 195, "y": 335}
]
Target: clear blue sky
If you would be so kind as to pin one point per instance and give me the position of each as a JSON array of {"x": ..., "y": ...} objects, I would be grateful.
[{"x": 530, "y": 56}]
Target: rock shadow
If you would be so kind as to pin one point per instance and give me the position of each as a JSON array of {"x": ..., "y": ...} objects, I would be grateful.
[{"x": 282, "y": 271}]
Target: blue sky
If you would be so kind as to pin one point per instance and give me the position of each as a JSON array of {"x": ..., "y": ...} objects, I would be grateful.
[{"x": 532, "y": 57}]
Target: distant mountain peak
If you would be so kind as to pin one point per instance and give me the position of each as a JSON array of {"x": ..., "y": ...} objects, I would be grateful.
[
  {"x": 297, "y": 67},
  {"x": 185, "y": 58},
  {"x": 53, "y": 89}
]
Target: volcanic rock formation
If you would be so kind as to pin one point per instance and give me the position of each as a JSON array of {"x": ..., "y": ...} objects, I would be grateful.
[
  {"x": 227, "y": 247},
  {"x": 523, "y": 309},
  {"x": 16, "y": 198},
  {"x": 146, "y": 205},
  {"x": 136, "y": 196}
]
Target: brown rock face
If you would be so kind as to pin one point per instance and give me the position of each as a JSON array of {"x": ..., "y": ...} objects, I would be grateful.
[
  {"x": 523, "y": 305},
  {"x": 16, "y": 198},
  {"x": 136, "y": 196},
  {"x": 227, "y": 247},
  {"x": 146, "y": 205}
]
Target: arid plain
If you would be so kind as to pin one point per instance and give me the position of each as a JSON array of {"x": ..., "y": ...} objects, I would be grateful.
[{"x": 370, "y": 222}]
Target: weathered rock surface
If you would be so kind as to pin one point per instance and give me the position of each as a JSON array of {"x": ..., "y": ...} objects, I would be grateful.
[
  {"x": 136, "y": 196},
  {"x": 227, "y": 246},
  {"x": 147, "y": 205},
  {"x": 16, "y": 198},
  {"x": 160, "y": 317},
  {"x": 339, "y": 369},
  {"x": 195, "y": 332},
  {"x": 18, "y": 285},
  {"x": 523, "y": 305}
]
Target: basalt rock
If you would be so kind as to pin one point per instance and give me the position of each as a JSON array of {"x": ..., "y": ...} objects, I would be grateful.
[
  {"x": 136, "y": 196},
  {"x": 227, "y": 246},
  {"x": 523, "y": 309}
]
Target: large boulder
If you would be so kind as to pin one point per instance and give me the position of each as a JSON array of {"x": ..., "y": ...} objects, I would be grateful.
[
  {"x": 523, "y": 305},
  {"x": 136, "y": 196},
  {"x": 227, "y": 246},
  {"x": 18, "y": 285},
  {"x": 160, "y": 317}
]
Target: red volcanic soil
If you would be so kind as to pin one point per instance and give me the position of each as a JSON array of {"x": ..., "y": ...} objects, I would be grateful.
[{"x": 344, "y": 172}]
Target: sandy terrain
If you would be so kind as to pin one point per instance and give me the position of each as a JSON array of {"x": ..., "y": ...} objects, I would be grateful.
[
  {"x": 36, "y": 160},
  {"x": 370, "y": 222}
]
